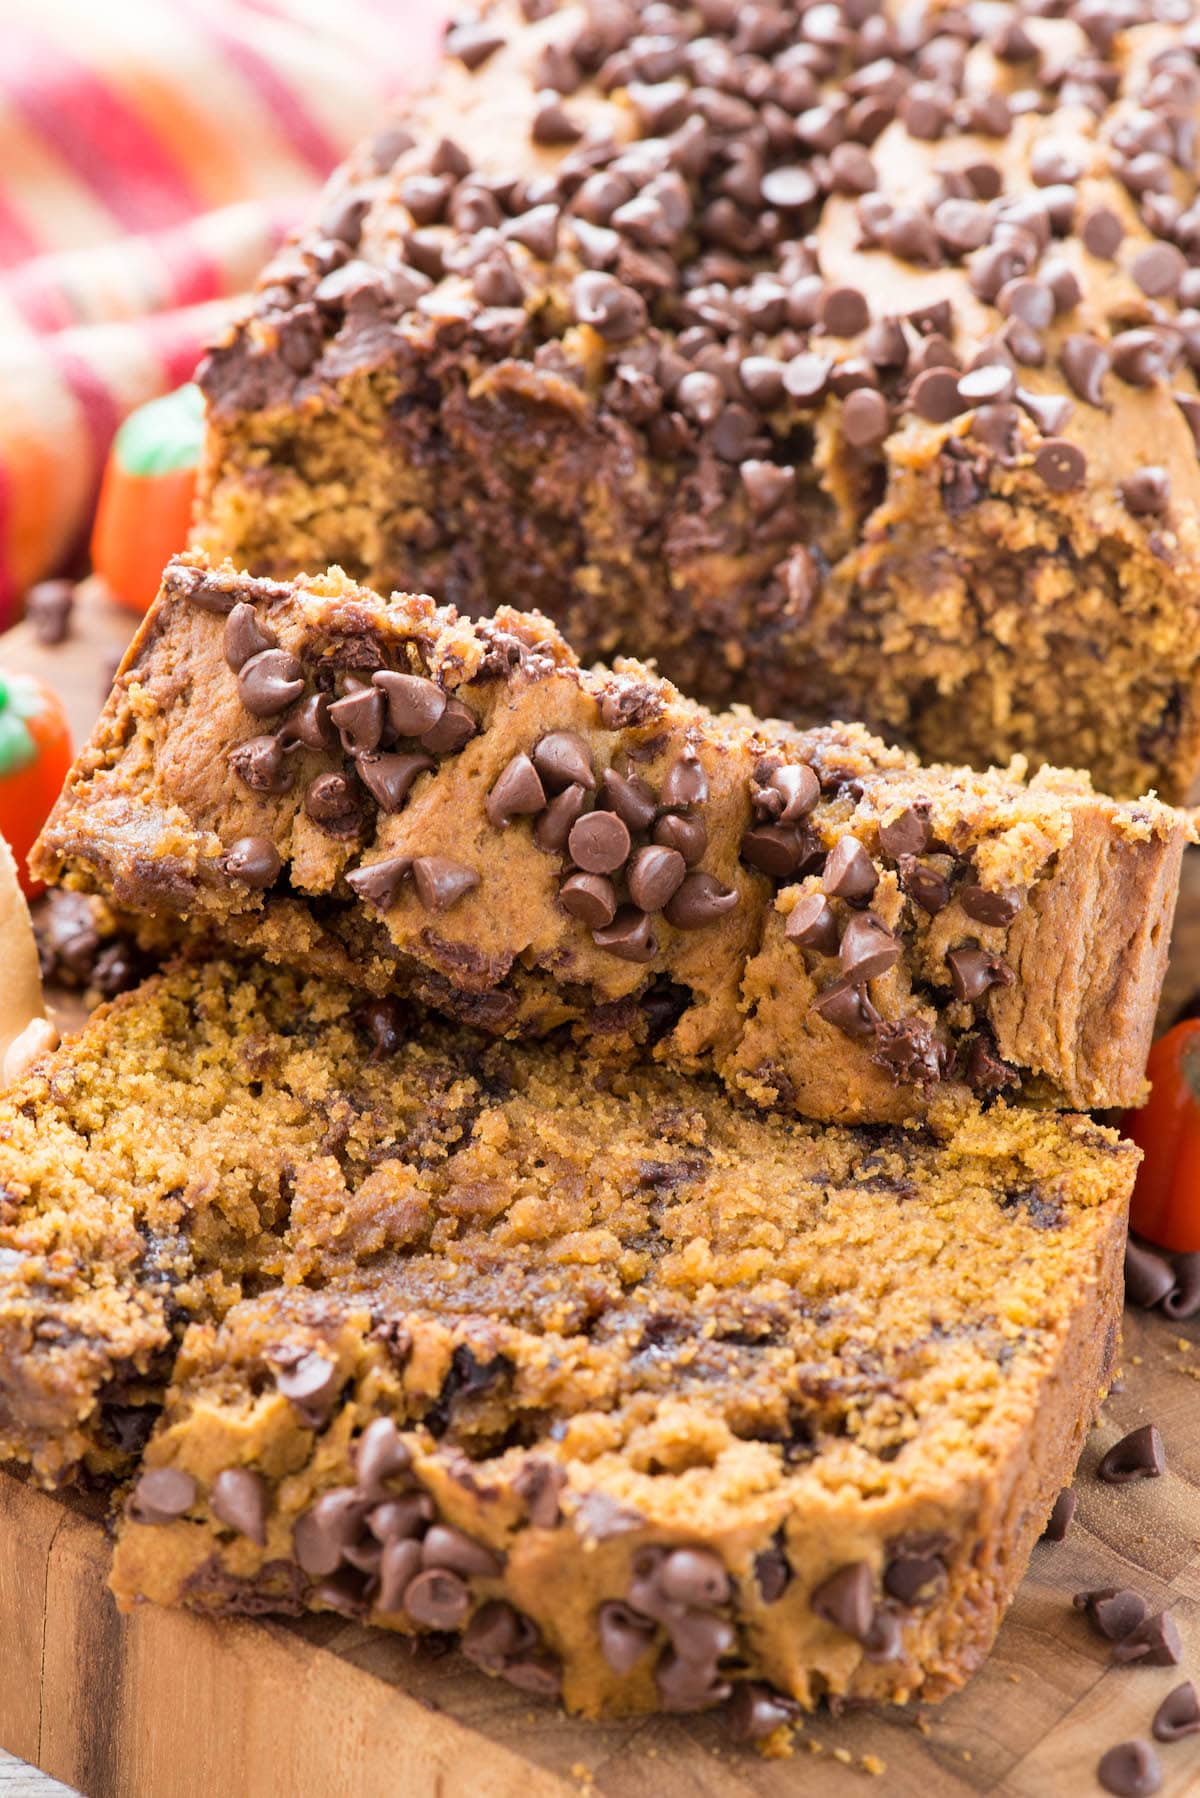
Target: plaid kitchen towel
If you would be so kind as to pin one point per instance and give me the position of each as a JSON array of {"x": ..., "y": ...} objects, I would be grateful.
[{"x": 152, "y": 154}]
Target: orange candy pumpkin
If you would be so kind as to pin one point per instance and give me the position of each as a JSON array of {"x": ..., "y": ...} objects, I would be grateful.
[
  {"x": 35, "y": 755},
  {"x": 144, "y": 512},
  {"x": 1166, "y": 1198}
]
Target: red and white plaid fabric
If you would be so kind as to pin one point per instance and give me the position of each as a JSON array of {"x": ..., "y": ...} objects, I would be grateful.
[{"x": 152, "y": 153}]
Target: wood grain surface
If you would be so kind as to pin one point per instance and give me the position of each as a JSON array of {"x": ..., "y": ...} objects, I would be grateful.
[{"x": 165, "y": 1705}]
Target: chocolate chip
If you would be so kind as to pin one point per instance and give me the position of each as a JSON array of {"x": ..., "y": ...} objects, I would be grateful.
[
  {"x": 331, "y": 799},
  {"x": 1149, "y": 1276},
  {"x": 813, "y": 924},
  {"x": 686, "y": 1685},
  {"x": 849, "y": 871},
  {"x": 309, "y": 1384},
  {"x": 614, "y": 311},
  {"x": 309, "y": 724},
  {"x": 987, "y": 906},
  {"x": 924, "y": 885},
  {"x": 1137, "y": 1456},
  {"x": 473, "y": 43},
  {"x": 379, "y": 1455},
  {"x": 599, "y": 843},
  {"x": 590, "y": 897},
  {"x": 847, "y": 1600},
  {"x": 269, "y": 681},
  {"x": 1146, "y": 492},
  {"x": 1130, "y": 1770},
  {"x": 437, "y": 1598},
  {"x": 807, "y": 376},
  {"x": 441, "y": 882},
  {"x": 379, "y": 883},
  {"x": 389, "y": 778},
  {"x": 791, "y": 187},
  {"x": 552, "y": 123},
  {"x": 399, "y": 1565},
  {"x": 261, "y": 765},
  {"x": 1154, "y": 1643},
  {"x": 452, "y": 732},
  {"x": 1060, "y": 464},
  {"x": 848, "y": 1009},
  {"x": 624, "y": 1636},
  {"x": 685, "y": 782},
  {"x": 564, "y": 759},
  {"x": 1158, "y": 270},
  {"x": 161, "y": 1495},
  {"x": 866, "y": 418},
  {"x": 1102, "y": 233},
  {"x": 756, "y": 1711},
  {"x": 400, "y": 1519},
  {"x": 694, "y": 1576},
  {"x": 1178, "y": 1715},
  {"x": 1117, "y": 1614},
  {"x": 1085, "y": 362},
  {"x": 908, "y": 834},
  {"x": 1049, "y": 411},
  {"x": 239, "y": 1498},
  {"x": 1062, "y": 1515},
  {"x": 909, "y": 1575},
  {"x": 629, "y": 797},
  {"x": 773, "y": 849},
  {"x": 934, "y": 395},
  {"x": 415, "y": 704},
  {"x": 518, "y": 792},
  {"x": 974, "y": 971},
  {"x": 48, "y": 609},
  {"x": 1183, "y": 1301},
  {"x": 553, "y": 828},
  {"x": 984, "y": 386},
  {"x": 495, "y": 1633},
  {"x": 868, "y": 948},
  {"x": 699, "y": 900},
  {"x": 628, "y": 936},
  {"x": 844, "y": 311},
  {"x": 445, "y": 1546},
  {"x": 358, "y": 719},
  {"x": 254, "y": 861},
  {"x": 772, "y": 1572},
  {"x": 655, "y": 874},
  {"x": 245, "y": 637},
  {"x": 1139, "y": 357}
]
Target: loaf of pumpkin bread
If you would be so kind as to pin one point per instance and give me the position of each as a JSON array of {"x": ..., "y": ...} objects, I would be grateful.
[{"x": 456, "y": 810}]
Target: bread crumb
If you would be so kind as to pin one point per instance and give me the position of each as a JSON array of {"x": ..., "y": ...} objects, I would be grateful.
[
  {"x": 844, "y": 1755},
  {"x": 1014, "y": 1679},
  {"x": 1183, "y": 1345},
  {"x": 872, "y": 1764}
]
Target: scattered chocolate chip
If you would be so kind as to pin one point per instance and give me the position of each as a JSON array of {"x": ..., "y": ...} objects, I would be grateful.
[
  {"x": 908, "y": 1576},
  {"x": 564, "y": 759},
  {"x": 599, "y": 843},
  {"x": 415, "y": 704},
  {"x": 628, "y": 936},
  {"x": 866, "y": 418},
  {"x": 924, "y": 885},
  {"x": 848, "y": 1009},
  {"x": 987, "y": 906},
  {"x": 358, "y": 719},
  {"x": 261, "y": 765},
  {"x": 554, "y": 826},
  {"x": 1085, "y": 362},
  {"x": 518, "y": 792},
  {"x": 1159, "y": 269},
  {"x": 437, "y": 1598},
  {"x": 1130, "y": 1770},
  {"x": 389, "y": 778},
  {"x": 699, "y": 900},
  {"x": 807, "y": 376},
  {"x": 331, "y": 799},
  {"x": 974, "y": 971},
  {"x": 1049, "y": 411},
  {"x": 686, "y": 834},
  {"x": 1060, "y": 464},
  {"x": 1154, "y": 1643},
  {"x": 813, "y": 924},
  {"x": 309, "y": 725},
  {"x": 473, "y": 43},
  {"x": 539, "y": 1484},
  {"x": 309, "y": 1384},
  {"x": 245, "y": 637},
  {"x": 688, "y": 1684},
  {"x": 1137, "y": 1456},
  {"x": 1062, "y": 1515},
  {"x": 589, "y": 897},
  {"x": 654, "y": 875},
  {"x": 452, "y": 732},
  {"x": 849, "y": 871},
  {"x": 629, "y": 797},
  {"x": 252, "y": 860},
  {"x": 756, "y": 1711},
  {"x": 380, "y": 1454},
  {"x": 239, "y": 1499},
  {"x": 847, "y": 1600},
  {"x": 1149, "y": 1275},
  {"x": 934, "y": 395},
  {"x": 1178, "y": 1715},
  {"x": 1146, "y": 492},
  {"x": 1139, "y": 357},
  {"x": 844, "y": 311},
  {"x": 1116, "y": 1614},
  {"x": 907, "y": 834},
  {"x": 269, "y": 681},
  {"x": 986, "y": 385},
  {"x": 868, "y": 948},
  {"x": 685, "y": 782},
  {"x": 441, "y": 882},
  {"x": 1102, "y": 233},
  {"x": 161, "y": 1495},
  {"x": 379, "y": 883},
  {"x": 445, "y": 1546},
  {"x": 614, "y": 311}
]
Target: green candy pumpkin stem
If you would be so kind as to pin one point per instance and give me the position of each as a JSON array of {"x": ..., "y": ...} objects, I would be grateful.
[{"x": 19, "y": 700}]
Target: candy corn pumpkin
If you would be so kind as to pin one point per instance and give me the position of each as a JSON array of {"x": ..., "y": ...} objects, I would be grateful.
[
  {"x": 35, "y": 755},
  {"x": 145, "y": 507}
]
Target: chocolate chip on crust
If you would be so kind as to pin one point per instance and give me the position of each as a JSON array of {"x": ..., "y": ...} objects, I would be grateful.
[{"x": 1137, "y": 1456}]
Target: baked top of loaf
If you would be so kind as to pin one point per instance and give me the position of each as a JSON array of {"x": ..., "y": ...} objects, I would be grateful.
[
  {"x": 686, "y": 1322},
  {"x": 420, "y": 803},
  {"x": 731, "y": 335}
]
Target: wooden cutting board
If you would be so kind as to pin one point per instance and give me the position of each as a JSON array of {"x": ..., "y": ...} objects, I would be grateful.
[{"x": 164, "y": 1705}]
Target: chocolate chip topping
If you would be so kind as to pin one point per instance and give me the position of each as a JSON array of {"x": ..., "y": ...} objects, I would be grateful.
[
  {"x": 1146, "y": 492},
  {"x": 654, "y": 875},
  {"x": 239, "y": 1499},
  {"x": 437, "y": 1598},
  {"x": 629, "y": 936},
  {"x": 161, "y": 1495},
  {"x": 1178, "y": 1715},
  {"x": 1062, "y": 1515},
  {"x": 683, "y": 833},
  {"x": 441, "y": 882},
  {"x": 868, "y": 948},
  {"x": 847, "y": 1007},
  {"x": 254, "y": 861},
  {"x": 1154, "y": 1643},
  {"x": 629, "y": 797},
  {"x": 1060, "y": 464},
  {"x": 245, "y": 637},
  {"x": 589, "y": 897},
  {"x": 554, "y": 826},
  {"x": 1137, "y": 1456},
  {"x": 1130, "y": 1770},
  {"x": 309, "y": 725},
  {"x": 564, "y": 759},
  {"x": 847, "y": 1600},
  {"x": 699, "y": 900},
  {"x": 974, "y": 971},
  {"x": 452, "y": 732},
  {"x": 987, "y": 906},
  {"x": 358, "y": 719},
  {"x": 309, "y": 1383},
  {"x": 261, "y": 765},
  {"x": 518, "y": 792},
  {"x": 389, "y": 778},
  {"x": 685, "y": 782},
  {"x": 924, "y": 885},
  {"x": 907, "y": 834},
  {"x": 379, "y": 883},
  {"x": 269, "y": 682},
  {"x": 812, "y": 923},
  {"x": 599, "y": 843},
  {"x": 756, "y": 1711},
  {"x": 332, "y": 800},
  {"x": 415, "y": 705},
  {"x": 849, "y": 871}
]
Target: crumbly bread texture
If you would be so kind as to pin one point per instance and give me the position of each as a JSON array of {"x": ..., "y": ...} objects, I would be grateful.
[
  {"x": 650, "y": 1395},
  {"x": 423, "y": 804},
  {"x": 841, "y": 357}
]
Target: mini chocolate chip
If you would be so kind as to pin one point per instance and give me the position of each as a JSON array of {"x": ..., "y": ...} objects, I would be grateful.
[
  {"x": 310, "y": 1384},
  {"x": 629, "y": 797},
  {"x": 1178, "y": 1715},
  {"x": 564, "y": 759},
  {"x": 599, "y": 843},
  {"x": 773, "y": 849},
  {"x": 554, "y": 826},
  {"x": 379, "y": 883},
  {"x": 1102, "y": 233},
  {"x": 844, "y": 311},
  {"x": 358, "y": 719},
  {"x": 1062, "y": 1515},
  {"x": 847, "y": 1600},
  {"x": 309, "y": 725},
  {"x": 866, "y": 418},
  {"x": 1130, "y": 1770},
  {"x": 269, "y": 681},
  {"x": 848, "y": 1009},
  {"x": 908, "y": 1575},
  {"x": 441, "y": 882},
  {"x": 1158, "y": 270},
  {"x": 624, "y": 1636},
  {"x": 495, "y": 1633},
  {"x": 239, "y": 1498},
  {"x": 987, "y": 906},
  {"x": 654, "y": 876},
  {"x": 161, "y": 1495},
  {"x": 245, "y": 637},
  {"x": 1146, "y": 492},
  {"x": 616, "y": 312},
  {"x": 1154, "y": 1643},
  {"x": 330, "y": 799},
  {"x": 699, "y": 900},
  {"x": 261, "y": 765},
  {"x": 590, "y": 897},
  {"x": 849, "y": 871},
  {"x": 685, "y": 782},
  {"x": 686, "y": 834},
  {"x": 973, "y": 971},
  {"x": 924, "y": 885},
  {"x": 518, "y": 791},
  {"x": 445, "y": 1546},
  {"x": 389, "y": 778},
  {"x": 907, "y": 834},
  {"x": 437, "y": 1598},
  {"x": 252, "y": 860},
  {"x": 934, "y": 395},
  {"x": 813, "y": 924},
  {"x": 868, "y": 948},
  {"x": 1137, "y": 1456},
  {"x": 452, "y": 732},
  {"x": 415, "y": 704},
  {"x": 379, "y": 1455},
  {"x": 807, "y": 376},
  {"x": 399, "y": 1565},
  {"x": 756, "y": 1711},
  {"x": 628, "y": 936},
  {"x": 1060, "y": 464},
  {"x": 1085, "y": 362}
]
